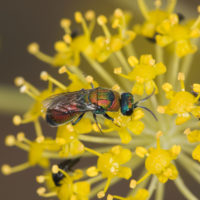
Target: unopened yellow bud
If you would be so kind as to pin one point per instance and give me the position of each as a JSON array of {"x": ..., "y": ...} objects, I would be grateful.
[
  {"x": 55, "y": 169},
  {"x": 118, "y": 12},
  {"x": 20, "y": 136},
  {"x": 133, "y": 183},
  {"x": 115, "y": 23},
  {"x": 78, "y": 17},
  {"x": 181, "y": 76},
  {"x": 6, "y": 169},
  {"x": 17, "y": 120},
  {"x": 40, "y": 191},
  {"x": 67, "y": 38},
  {"x": 176, "y": 149},
  {"x": 10, "y": 140},
  {"x": 89, "y": 79},
  {"x": 40, "y": 139},
  {"x": 62, "y": 70},
  {"x": 23, "y": 89},
  {"x": 90, "y": 15},
  {"x": 198, "y": 9},
  {"x": 65, "y": 23},
  {"x": 101, "y": 194},
  {"x": 132, "y": 60},
  {"x": 101, "y": 20},
  {"x": 92, "y": 171},
  {"x": 44, "y": 75},
  {"x": 158, "y": 3},
  {"x": 19, "y": 81},
  {"x": 116, "y": 87},
  {"x": 168, "y": 172},
  {"x": 187, "y": 131},
  {"x": 158, "y": 134},
  {"x": 118, "y": 70},
  {"x": 196, "y": 88},
  {"x": 40, "y": 179},
  {"x": 141, "y": 151},
  {"x": 109, "y": 197},
  {"x": 167, "y": 87},
  {"x": 33, "y": 48}
]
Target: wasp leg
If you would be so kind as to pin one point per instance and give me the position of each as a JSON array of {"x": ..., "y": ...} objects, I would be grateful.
[
  {"x": 92, "y": 85},
  {"x": 108, "y": 117},
  {"x": 78, "y": 119},
  {"x": 95, "y": 118}
]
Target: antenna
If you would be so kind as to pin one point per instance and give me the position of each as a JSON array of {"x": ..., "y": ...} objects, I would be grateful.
[{"x": 145, "y": 108}]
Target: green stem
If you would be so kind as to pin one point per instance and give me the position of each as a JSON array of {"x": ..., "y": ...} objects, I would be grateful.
[
  {"x": 184, "y": 190},
  {"x": 101, "y": 71},
  {"x": 44, "y": 57},
  {"x": 104, "y": 140},
  {"x": 173, "y": 71},
  {"x": 188, "y": 161},
  {"x": 11, "y": 101},
  {"x": 130, "y": 51},
  {"x": 152, "y": 186},
  {"x": 143, "y": 8},
  {"x": 160, "y": 78},
  {"x": 99, "y": 187},
  {"x": 160, "y": 191},
  {"x": 186, "y": 66},
  {"x": 94, "y": 179},
  {"x": 123, "y": 61},
  {"x": 38, "y": 128},
  {"x": 171, "y": 5},
  {"x": 78, "y": 72}
]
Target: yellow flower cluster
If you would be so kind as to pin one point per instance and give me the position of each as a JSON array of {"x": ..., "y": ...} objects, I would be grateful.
[{"x": 120, "y": 142}]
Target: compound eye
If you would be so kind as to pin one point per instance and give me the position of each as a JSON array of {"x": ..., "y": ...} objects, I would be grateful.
[{"x": 128, "y": 112}]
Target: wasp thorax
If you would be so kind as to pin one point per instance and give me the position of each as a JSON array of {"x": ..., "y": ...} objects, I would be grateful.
[{"x": 127, "y": 103}]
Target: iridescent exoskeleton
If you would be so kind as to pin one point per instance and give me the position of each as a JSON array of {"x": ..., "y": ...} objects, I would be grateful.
[{"x": 65, "y": 107}]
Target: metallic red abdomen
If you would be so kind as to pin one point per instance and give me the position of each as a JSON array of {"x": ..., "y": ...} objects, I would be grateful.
[{"x": 109, "y": 100}]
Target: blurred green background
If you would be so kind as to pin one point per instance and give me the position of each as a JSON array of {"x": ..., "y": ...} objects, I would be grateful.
[{"x": 22, "y": 22}]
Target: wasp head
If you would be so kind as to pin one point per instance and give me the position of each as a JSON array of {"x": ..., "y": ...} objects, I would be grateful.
[{"x": 127, "y": 104}]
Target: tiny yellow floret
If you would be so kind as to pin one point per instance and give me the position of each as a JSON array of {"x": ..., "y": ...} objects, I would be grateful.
[
  {"x": 10, "y": 140},
  {"x": 55, "y": 169},
  {"x": 40, "y": 191},
  {"x": 132, "y": 60},
  {"x": 101, "y": 20},
  {"x": 78, "y": 17},
  {"x": 33, "y": 48},
  {"x": 101, "y": 194},
  {"x": 118, "y": 70},
  {"x": 90, "y": 15},
  {"x": 17, "y": 120},
  {"x": 19, "y": 81},
  {"x": 133, "y": 183},
  {"x": 6, "y": 169},
  {"x": 44, "y": 75},
  {"x": 20, "y": 136},
  {"x": 65, "y": 23},
  {"x": 40, "y": 179},
  {"x": 92, "y": 171},
  {"x": 141, "y": 151}
]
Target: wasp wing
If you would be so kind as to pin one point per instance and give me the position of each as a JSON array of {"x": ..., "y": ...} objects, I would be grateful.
[{"x": 64, "y": 107}]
